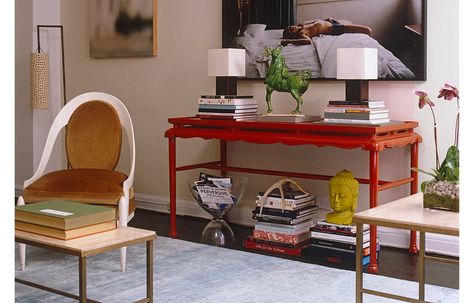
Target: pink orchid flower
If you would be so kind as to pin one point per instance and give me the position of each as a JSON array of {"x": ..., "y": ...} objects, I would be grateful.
[
  {"x": 423, "y": 99},
  {"x": 448, "y": 92}
]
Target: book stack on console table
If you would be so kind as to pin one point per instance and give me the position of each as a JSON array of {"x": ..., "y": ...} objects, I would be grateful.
[
  {"x": 283, "y": 224},
  {"x": 356, "y": 112},
  {"x": 227, "y": 107},
  {"x": 336, "y": 244},
  {"x": 64, "y": 219}
]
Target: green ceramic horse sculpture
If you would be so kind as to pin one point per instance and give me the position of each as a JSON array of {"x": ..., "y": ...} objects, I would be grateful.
[{"x": 280, "y": 79}]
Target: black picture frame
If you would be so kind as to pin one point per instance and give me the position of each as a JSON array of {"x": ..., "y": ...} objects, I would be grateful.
[{"x": 406, "y": 41}]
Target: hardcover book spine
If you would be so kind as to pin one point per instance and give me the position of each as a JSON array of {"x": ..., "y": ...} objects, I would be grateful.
[
  {"x": 239, "y": 101},
  {"x": 355, "y": 116},
  {"x": 280, "y": 237},
  {"x": 352, "y": 121},
  {"x": 226, "y": 96},
  {"x": 280, "y": 220},
  {"x": 280, "y": 244},
  {"x": 272, "y": 248},
  {"x": 293, "y": 214},
  {"x": 335, "y": 237},
  {"x": 368, "y": 103}
]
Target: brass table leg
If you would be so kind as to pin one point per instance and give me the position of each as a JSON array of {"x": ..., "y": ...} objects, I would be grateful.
[
  {"x": 359, "y": 272},
  {"x": 421, "y": 267},
  {"x": 149, "y": 270},
  {"x": 82, "y": 280}
]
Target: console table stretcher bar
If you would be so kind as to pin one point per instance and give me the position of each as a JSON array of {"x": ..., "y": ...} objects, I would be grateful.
[
  {"x": 372, "y": 138},
  {"x": 88, "y": 246},
  {"x": 406, "y": 213},
  {"x": 383, "y": 185}
]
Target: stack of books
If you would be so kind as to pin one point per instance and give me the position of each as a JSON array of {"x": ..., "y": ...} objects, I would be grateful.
[
  {"x": 336, "y": 243},
  {"x": 64, "y": 220},
  {"x": 283, "y": 227},
  {"x": 228, "y": 107},
  {"x": 356, "y": 112}
]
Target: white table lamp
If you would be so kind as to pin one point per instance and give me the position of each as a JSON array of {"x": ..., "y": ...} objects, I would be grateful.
[
  {"x": 357, "y": 65},
  {"x": 226, "y": 64}
]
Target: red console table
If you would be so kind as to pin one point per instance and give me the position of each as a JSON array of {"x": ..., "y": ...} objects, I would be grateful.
[{"x": 372, "y": 138}]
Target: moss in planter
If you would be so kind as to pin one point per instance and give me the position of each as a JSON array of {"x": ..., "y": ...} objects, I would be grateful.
[{"x": 442, "y": 202}]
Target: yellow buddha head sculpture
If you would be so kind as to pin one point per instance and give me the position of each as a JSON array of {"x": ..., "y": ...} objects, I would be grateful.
[{"x": 343, "y": 196}]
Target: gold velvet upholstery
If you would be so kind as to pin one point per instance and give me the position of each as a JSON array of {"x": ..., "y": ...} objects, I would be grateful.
[
  {"x": 94, "y": 136},
  {"x": 94, "y": 186},
  {"x": 93, "y": 144}
]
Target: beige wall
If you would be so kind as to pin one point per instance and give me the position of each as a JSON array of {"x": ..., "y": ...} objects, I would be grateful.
[
  {"x": 23, "y": 112},
  {"x": 168, "y": 85}
]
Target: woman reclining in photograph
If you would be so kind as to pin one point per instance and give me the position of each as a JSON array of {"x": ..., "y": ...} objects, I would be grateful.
[{"x": 303, "y": 33}]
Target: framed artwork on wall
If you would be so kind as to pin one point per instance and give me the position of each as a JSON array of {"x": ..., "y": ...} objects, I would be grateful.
[
  {"x": 311, "y": 31},
  {"x": 123, "y": 28}
]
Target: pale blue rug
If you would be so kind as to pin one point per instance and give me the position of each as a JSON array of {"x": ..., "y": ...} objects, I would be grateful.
[{"x": 190, "y": 272}]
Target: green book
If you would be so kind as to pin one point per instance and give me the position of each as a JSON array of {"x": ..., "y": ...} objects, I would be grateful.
[{"x": 63, "y": 215}]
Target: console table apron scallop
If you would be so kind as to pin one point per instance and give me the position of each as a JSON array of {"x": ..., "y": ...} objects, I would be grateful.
[
  {"x": 371, "y": 138},
  {"x": 87, "y": 246}
]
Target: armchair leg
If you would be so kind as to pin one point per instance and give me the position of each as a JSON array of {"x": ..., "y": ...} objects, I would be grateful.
[
  {"x": 21, "y": 246},
  {"x": 123, "y": 216}
]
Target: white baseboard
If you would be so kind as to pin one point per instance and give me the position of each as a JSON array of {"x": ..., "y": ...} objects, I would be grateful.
[{"x": 441, "y": 244}]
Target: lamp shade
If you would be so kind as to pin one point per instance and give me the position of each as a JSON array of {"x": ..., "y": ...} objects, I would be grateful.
[
  {"x": 226, "y": 62},
  {"x": 357, "y": 63},
  {"x": 39, "y": 80}
]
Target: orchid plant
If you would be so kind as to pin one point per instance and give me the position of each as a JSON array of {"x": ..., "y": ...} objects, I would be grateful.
[{"x": 448, "y": 170}]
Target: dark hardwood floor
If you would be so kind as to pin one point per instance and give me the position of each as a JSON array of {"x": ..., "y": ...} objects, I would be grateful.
[{"x": 393, "y": 262}]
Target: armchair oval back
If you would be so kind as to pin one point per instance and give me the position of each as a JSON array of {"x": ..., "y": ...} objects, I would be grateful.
[{"x": 94, "y": 136}]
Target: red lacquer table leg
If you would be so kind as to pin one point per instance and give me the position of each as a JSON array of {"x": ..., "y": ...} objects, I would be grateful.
[
  {"x": 414, "y": 189},
  {"x": 172, "y": 177},
  {"x": 373, "y": 193}
]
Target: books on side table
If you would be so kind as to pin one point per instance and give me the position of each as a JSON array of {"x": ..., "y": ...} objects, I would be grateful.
[
  {"x": 357, "y": 112},
  {"x": 64, "y": 219},
  {"x": 227, "y": 107},
  {"x": 283, "y": 227},
  {"x": 336, "y": 243}
]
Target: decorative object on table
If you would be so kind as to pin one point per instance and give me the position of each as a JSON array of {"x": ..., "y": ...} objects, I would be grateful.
[
  {"x": 39, "y": 64},
  {"x": 284, "y": 216},
  {"x": 123, "y": 28},
  {"x": 343, "y": 196},
  {"x": 233, "y": 107},
  {"x": 279, "y": 78},
  {"x": 217, "y": 195},
  {"x": 357, "y": 66},
  {"x": 443, "y": 190},
  {"x": 226, "y": 64}
]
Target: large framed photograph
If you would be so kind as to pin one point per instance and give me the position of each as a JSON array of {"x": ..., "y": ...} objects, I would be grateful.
[
  {"x": 122, "y": 28},
  {"x": 311, "y": 31}
]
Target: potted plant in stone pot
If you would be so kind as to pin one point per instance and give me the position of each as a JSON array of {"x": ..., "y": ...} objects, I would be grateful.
[{"x": 443, "y": 190}]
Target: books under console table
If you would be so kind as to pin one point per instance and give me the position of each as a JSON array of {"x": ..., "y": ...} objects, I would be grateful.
[{"x": 370, "y": 138}]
